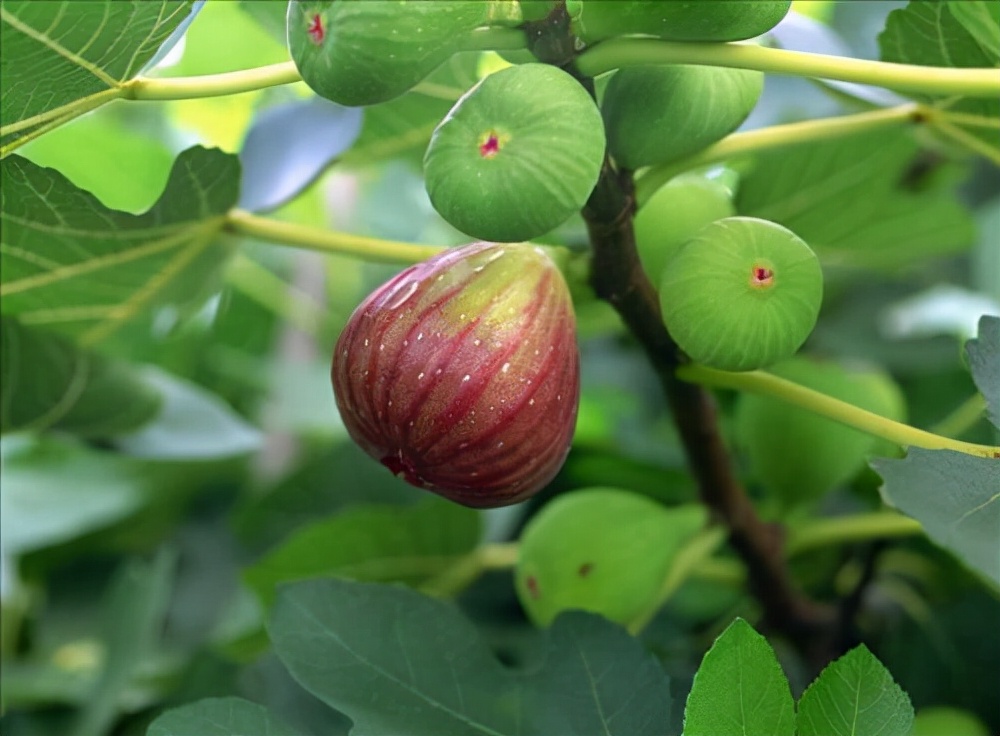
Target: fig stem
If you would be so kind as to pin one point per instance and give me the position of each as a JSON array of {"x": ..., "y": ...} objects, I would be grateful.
[
  {"x": 240, "y": 222},
  {"x": 211, "y": 85},
  {"x": 624, "y": 52},
  {"x": 778, "y": 136},
  {"x": 761, "y": 382}
]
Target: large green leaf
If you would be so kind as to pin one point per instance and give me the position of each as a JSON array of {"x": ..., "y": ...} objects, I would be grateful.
[
  {"x": 59, "y": 56},
  {"x": 220, "y": 717},
  {"x": 950, "y": 34},
  {"x": 740, "y": 689},
  {"x": 849, "y": 199},
  {"x": 48, "y": 382},
  {"x": 955, "y": 496},
  {"x": 984, "y": 362},
  {"x": 397, "y": 662},
  {"x": 409, "y": 544},
  {"x": 855, "y": 695},
  {"x": 71, "y": 264}
]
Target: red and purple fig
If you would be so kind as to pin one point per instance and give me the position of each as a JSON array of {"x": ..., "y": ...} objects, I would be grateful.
[{"x": 461, "y": 374}]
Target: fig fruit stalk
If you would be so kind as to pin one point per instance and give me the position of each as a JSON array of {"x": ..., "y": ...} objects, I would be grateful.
[{"x": 461, "y": 374}]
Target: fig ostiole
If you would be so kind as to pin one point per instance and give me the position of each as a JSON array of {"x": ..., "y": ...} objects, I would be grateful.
[
  {"x": 742, "y": 294},
  {"x": 461, "y": 374}
]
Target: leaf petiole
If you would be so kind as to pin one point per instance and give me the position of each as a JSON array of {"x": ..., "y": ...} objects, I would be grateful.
[{"x": 761, "y": 382}]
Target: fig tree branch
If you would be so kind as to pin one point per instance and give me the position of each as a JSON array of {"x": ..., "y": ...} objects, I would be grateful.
[
  {"x": 376, "y": 250},
  {"x": 624, "y": 52},
  {"x": 761, "y": 382}
]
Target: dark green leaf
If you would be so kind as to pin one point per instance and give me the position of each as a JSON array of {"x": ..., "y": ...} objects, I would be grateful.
[
  {"x": 47, "y": 382},
  {"x": 135, "y": 609},
  {"x": 740, "y": 689},
  {"x": 848, "y": 198},
  {"x": 855, "y": 695},
  {"x": 54, "y": 491},
  {"x": 955, "y": 496},
  {"x": 397, "y": 662},
  {"x": 410, "y": 544},
  {"x": 220, "y": 717},
  {"x": 984, "y": 362},
  {"x": 57, "y": 54},
  {"x": 69, "y": 263}
]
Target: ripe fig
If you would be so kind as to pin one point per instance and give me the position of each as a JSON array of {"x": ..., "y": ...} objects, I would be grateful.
[
  {"x": 742, "y": 294},
  {"x": 361, "y": 52},
  {"x": 461, "y": 374},
  {"x": 705, "y": 20},
  {"x": 656, "y": 114}
]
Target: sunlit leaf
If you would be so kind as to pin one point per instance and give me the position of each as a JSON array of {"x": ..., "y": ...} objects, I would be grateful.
[
  {"x": 71, "y": 264},
  {"x": 60, "y": 53}
]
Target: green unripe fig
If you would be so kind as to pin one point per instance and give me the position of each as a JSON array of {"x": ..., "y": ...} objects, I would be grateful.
[
  {"x": 674, "y": 214},
  {"x": 742, "y": 294},
  {"x": 673, "y": 20},
  {"x": 602, "y": 550},
  {"x": 799, "y": 455},
  {"x": 656, "y": 114},
  {"x": 517, "y": 155},
  {"x": 361, "y": 52}
]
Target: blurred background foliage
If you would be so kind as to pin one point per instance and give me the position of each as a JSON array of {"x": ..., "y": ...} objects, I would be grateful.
[{"x": 135, "y": 595}]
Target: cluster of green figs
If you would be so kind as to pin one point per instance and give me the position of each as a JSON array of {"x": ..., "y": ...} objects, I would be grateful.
[{"x": 461, "y": 374}]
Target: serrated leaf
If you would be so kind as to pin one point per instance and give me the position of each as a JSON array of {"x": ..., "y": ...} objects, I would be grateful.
[
  {"x": 54, "y": 491},
  {"x": 57, "y": 54},
  {"x": 73, "y": 265},
  {"x": 850, "y": 200},
  {"x": 410, "y": 544},
  {"x": 220, "y": 717},
  {"x": 955, "y": 496},
  {"x": 984, "y": 362},
  {"x": 740, "y": 689},
  {"x": 854, "y": 695},
  {"x": 397, "y": 662},
  {"x": 47, "y": 382}
]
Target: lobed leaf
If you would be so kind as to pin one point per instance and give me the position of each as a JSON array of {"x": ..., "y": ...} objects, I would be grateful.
[
  {"x": 71, "y": 264},
  {"x": 60, "y": 53},
  {"x": 397, "y": 662}
]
